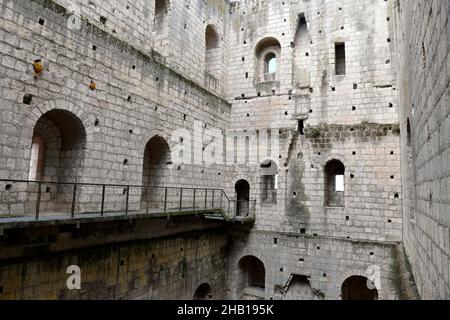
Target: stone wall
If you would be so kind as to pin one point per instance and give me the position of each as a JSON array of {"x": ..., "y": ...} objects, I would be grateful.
[
  {"x": 325, "y": 262},
  {"x": 136, "y": 97},
  {"x": 423, "y": 50},
  {"x": 126, "y": 83},
  {"x": 170, "y": 267}
]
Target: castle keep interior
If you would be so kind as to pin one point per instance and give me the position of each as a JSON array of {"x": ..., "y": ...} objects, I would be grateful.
[{"x": 221, "y": 149}]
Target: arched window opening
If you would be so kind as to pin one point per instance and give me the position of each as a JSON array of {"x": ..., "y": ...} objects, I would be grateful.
[
  {"x": 252, "y": 278},
  {"x": 57, "y": 153},
  {"x": 161, "y": 26},
  {"x": 334, "y": 184},
  {"x": 242, "y": 188},
  {"x": 203, "y": 292},
  {"x": 358, "y": 288},
  {"x": 213, "y": 54},
  {"x": 155, "y": 171},
  {"x": 269, "y": 181},
  {"x": 267, "y": 53},
  {"x": 58, "y": 147}
]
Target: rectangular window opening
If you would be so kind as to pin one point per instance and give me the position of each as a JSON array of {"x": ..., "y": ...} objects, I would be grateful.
[
  {"x": 340, "y": 183},
  {"x": 340, "y": 58}
]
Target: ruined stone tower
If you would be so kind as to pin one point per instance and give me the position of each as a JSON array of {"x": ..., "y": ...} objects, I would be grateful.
[{"x": 224, "y": 149}]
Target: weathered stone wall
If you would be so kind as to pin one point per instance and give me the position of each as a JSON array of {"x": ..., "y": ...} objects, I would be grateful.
[
  {"x": 320, "y": 116},
  {"x": 147, "y": 86},
  {"x": 326, "y": 262},
  {"x": 162, "y": 268},
  {"x": 136, "y": 97},
  {"x": 178, "y": 37},
  {"x": 423, "y": 50}
]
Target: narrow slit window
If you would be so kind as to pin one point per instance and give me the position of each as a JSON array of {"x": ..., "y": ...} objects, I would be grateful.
[{"x": 340, "y": 58}]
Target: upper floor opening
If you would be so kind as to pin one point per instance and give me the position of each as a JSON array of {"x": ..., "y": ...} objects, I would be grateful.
[{"x": 267, "y": 59}]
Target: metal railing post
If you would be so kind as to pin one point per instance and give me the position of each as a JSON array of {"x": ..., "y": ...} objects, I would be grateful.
[
  {"x": 181, "y": 199},
  {"x": 145, "y": 191},
  {"x": 38, "y": 201},
  {"x": 193, "y": 205},
  {"x": 165, "y": 200},
  {"x": 74, "y": 199},
  {"x": 206, "y": 199},
  {"x": 127, "y": 199},
  {"x": 103, "y": 199},
  {"x": 212, "y": 203}
]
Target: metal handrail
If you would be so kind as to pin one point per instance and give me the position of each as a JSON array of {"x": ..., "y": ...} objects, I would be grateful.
[{"x": 129, "y": 198}]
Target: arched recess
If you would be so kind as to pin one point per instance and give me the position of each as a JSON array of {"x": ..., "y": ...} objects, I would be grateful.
[
  {"x": 57, "y": 149},
  {"x": 358, "y": 288},
  {"x": 334, "y": 184},
  {"x": 213, "y": 56},
  {"x": 267, "y": 59},
  {"x": 155, "y": 172},
  {"x": 251, "y": 278},
  {"x": 242, "y": 189},
  {"x": 203, "y": 292},
  {"x": 161, "y": 26}
]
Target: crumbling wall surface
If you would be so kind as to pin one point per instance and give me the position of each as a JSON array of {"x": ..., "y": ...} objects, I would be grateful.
[
  {"x": 324, "y": 263},
  {"x": 164, "y": 268},
  {"x": 423, "y": 50}
]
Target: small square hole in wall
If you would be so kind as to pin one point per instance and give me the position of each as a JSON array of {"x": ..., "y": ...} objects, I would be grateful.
[
  {"x": 281, "y": 269},
  {"x": 396, "y": 196},
  {"x": 354, "y": 153},
  {"x": 302, "y": 231},
  {"x": 94, "y": 47},
  {"x": 389, "y": 221},
  {"x": 275, "y": 240},
  {"x": 392, "y": 153},
  {"x": 371, "y": 253},
  {"x": 301, "y": 260},
  {"x": 41, "y": 21},
  {"x": 8, "y": 187},
  {"x": 48, "y": 189},
  {"x": 27, "y": 99}
]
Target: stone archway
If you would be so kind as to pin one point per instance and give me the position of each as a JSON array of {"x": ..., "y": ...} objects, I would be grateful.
[{"x": 358, "y": 288}]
